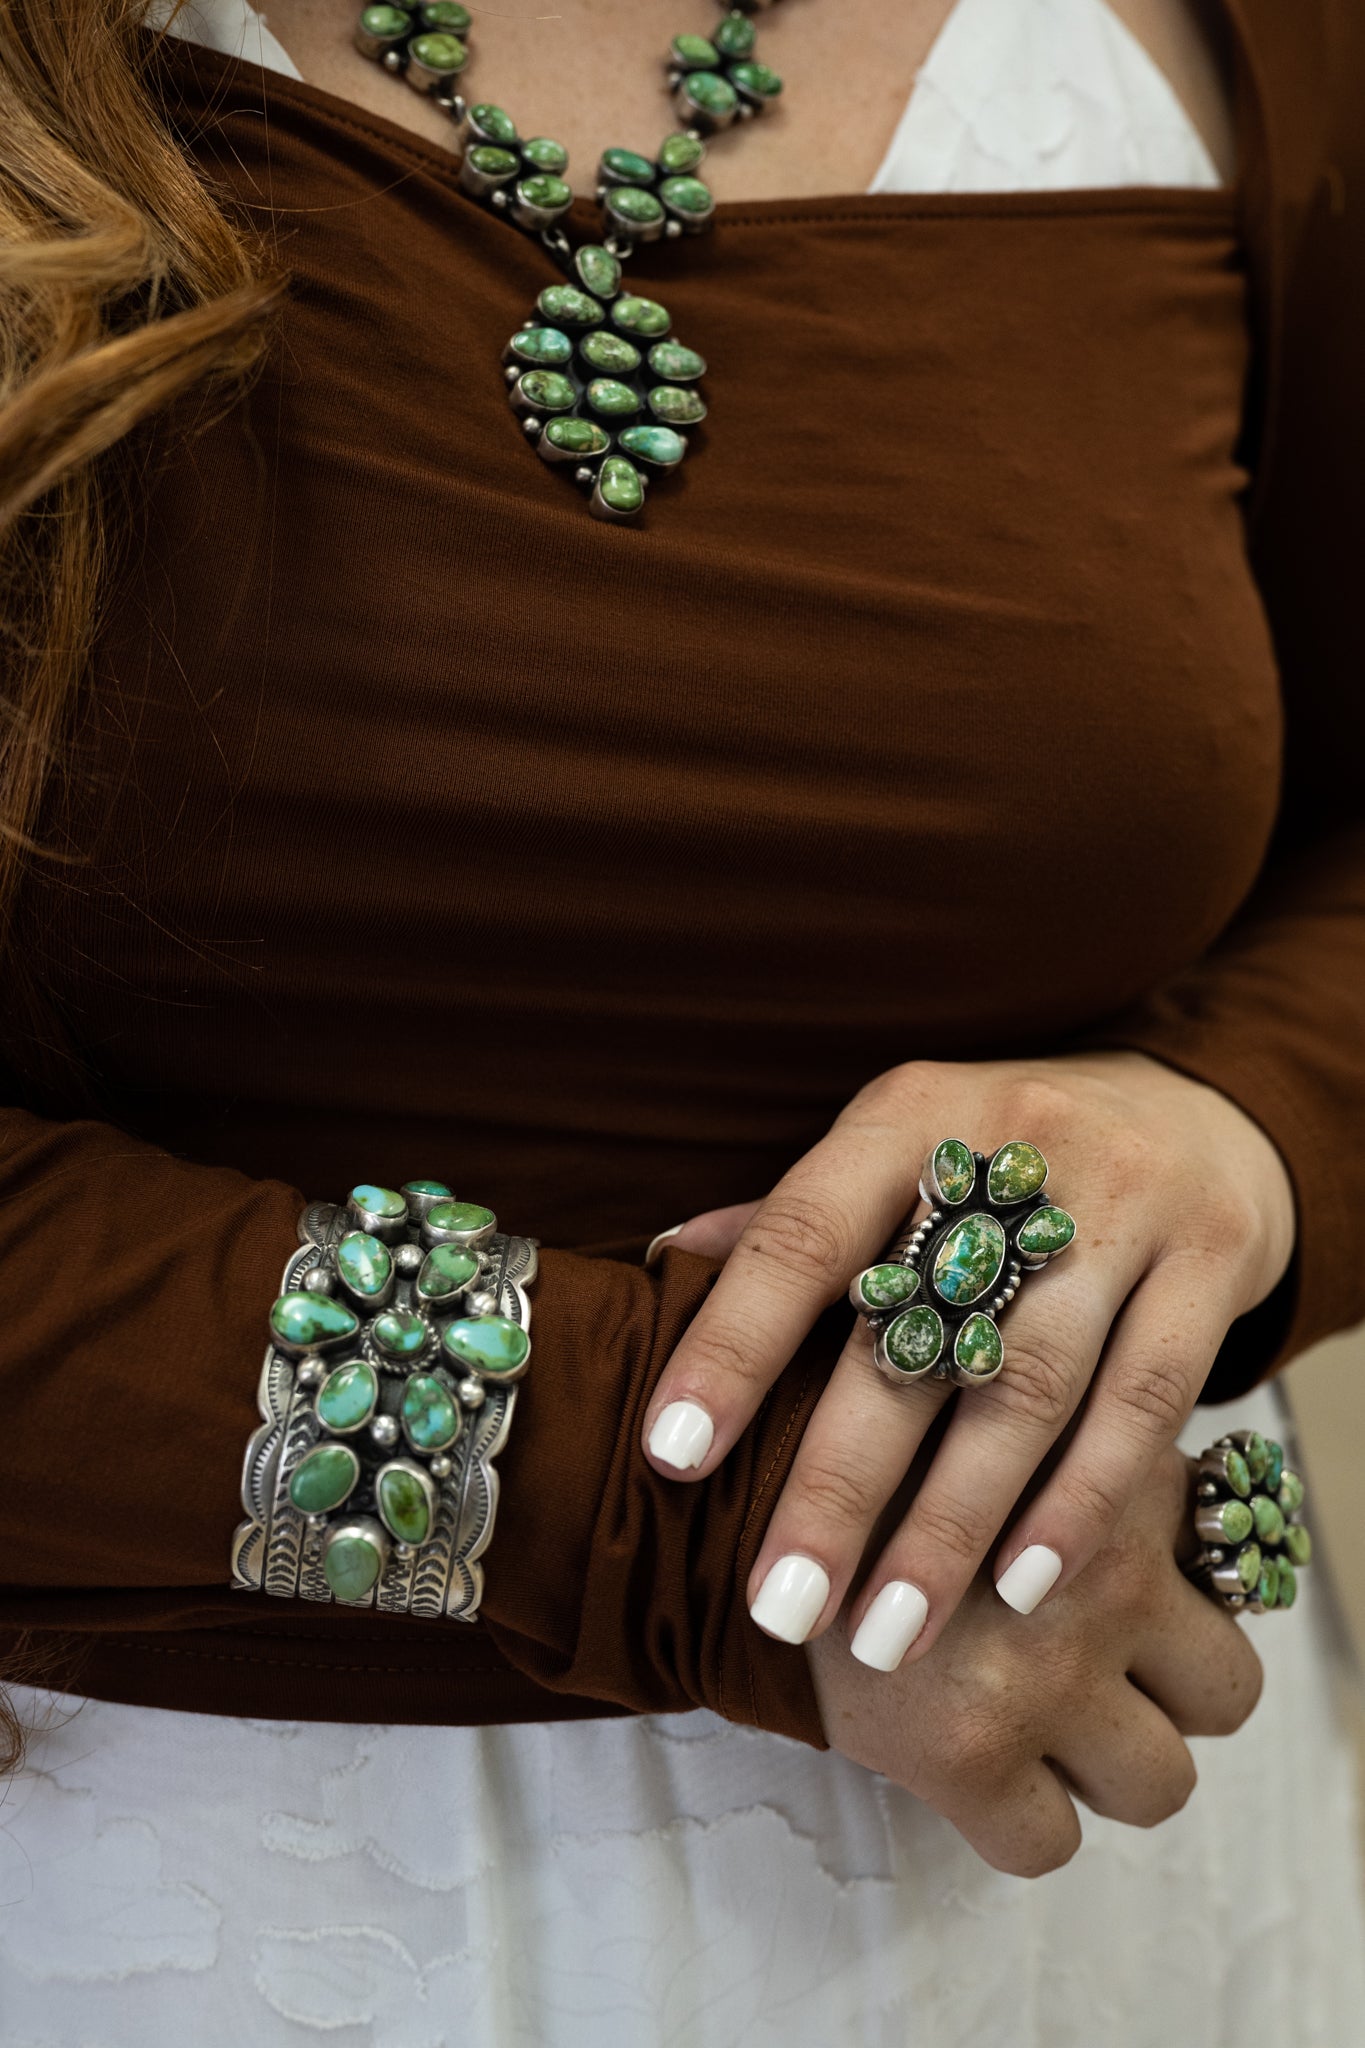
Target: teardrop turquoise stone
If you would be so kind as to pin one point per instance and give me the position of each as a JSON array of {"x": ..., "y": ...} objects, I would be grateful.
[
  {"x": 430, "y": 1416},
  {"x": 1047, "y": 1230},
  {"x": 676, "y": 406},
  {"x": 1017, "y": 1171},
  {"x": 364, "y": 1263},
  {"x": 542, "y": 190},
  {"x": 620, "y": 485},
  {"x": 634, "y": 205},
  {"x": 978, "y": 1348},
  {"x": 887, "y": 1286},
  {"x": 494, "y": 123},
  {"x": 351, "y": 1566},
  {"x": 399, "y": 1332},
  {"x": 564, "y": 302},
  {"x": 760, "y": 80},
  {"x": 304, "y": 1322},
  {"x": 466, "y": 1217},
  {"x": 659, "y": 445},
  {"x": 627, "y": 164},
  {"x": 914, "y": 1341},
  {"x": 641, "y": 316},
  {"x": 378, "y": 1201},
  {"x": 347, "y": 1396},
  {"x": 687, "y": 195},
  {"x": 712, "y": 93},
  {"x": 599, "y": 270},
  {"x": 488, "y": 1344},
  {"x": 954, "y": 1170},
  {"x": 967, "y": 1263},
  {"x": 676, "y": 364},
  {"x": 446, "y": 1270},
  {"x": 610, "y": 353},
  {"x": 545, "y": 154},
  {"x": 679, "y": 154},
  {"x": 698, "y": 53},
  {"x": 577, "y": 437},
  {"x": 403, "y": 1503},
  {"x": 736, "y": 36},
  {"x": 547, "y": 390},
  {"x": 324, "y": 1479},
  {"x": 612, "y": 398},
  {"x": 439, "y": 52},
  {"x": 492, "y": 161},
  {"x": 545, "y": 345}
]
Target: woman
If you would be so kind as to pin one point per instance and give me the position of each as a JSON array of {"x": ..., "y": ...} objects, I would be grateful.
[{"x": 913, "y": 768}]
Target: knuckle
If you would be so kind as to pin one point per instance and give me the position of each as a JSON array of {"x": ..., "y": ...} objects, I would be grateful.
[
  {"x": 805, "y": 1237},
  {"x": 1223, "y": 1224},
  {"x": 945, "y": 1524},
  {"x": 1045, "y": 1848},
  {"x": 834, "y": 1495},
  {"x": 1040, "y": 1107},
  {"x": 725, "y": 1356},
  {"x": 978, "y": 1749},
  {"x": 898, "y": 1089},
  {"x": 1092, "y": 1499},
  {"x": 1243, "y": 1678},
  {"x": 1036, "y": 1387},
  {"x": 1153, "y": 1396}
]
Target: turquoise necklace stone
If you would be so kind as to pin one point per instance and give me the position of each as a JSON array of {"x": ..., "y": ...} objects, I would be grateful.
[{"x": 576, "y": 370}]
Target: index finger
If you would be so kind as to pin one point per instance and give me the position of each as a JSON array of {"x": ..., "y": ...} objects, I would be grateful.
[{"x": 829, "y": 1216}]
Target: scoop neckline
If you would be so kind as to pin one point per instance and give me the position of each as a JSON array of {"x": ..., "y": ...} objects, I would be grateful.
[{"x": 1220, "y": 202}]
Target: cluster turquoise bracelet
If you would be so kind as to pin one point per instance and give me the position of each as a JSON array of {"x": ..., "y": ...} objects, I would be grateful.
[{"x": 396, "y": 1342}]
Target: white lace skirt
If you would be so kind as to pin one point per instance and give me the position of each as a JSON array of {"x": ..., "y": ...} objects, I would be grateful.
[{"x": 675, "y": 1880}]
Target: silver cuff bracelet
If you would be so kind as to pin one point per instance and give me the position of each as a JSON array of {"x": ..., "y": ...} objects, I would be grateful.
[{"x": 396, "y": 1341}]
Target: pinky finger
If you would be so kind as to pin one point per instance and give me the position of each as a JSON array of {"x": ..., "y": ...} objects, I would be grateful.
[{"x": 1157, "y": 1359}]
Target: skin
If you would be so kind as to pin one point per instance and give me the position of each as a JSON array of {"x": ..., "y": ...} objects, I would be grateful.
[
  {"x": 589, "y": 73},
  {"x": 1011, "y": 1720}
]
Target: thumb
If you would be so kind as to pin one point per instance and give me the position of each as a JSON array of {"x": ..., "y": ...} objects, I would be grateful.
[{"x": 714, "y": 1233}]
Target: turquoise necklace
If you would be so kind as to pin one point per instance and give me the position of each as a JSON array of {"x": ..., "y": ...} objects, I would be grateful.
[{"x": 603, "y": 389}]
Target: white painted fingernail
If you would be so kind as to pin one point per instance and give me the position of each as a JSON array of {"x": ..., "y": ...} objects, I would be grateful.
[
  {"x": 791, "y": 1598},
  {"x": 890, "y": 1625},
  {"x": 681, "y": 1435},
  {"x": 656, "y": 1244},
  {"x": 1030, "y": 1578}
]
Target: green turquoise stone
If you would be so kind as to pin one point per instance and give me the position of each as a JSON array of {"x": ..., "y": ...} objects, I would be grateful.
[
  {"x": 695, "y": 53},
  {"x": 446, "y": 1270},
  {"x": 545, "y": 154},
  {"x": 756, "y": 81},
  {"x": 347, "y": 1396},
  {"x": 1268, "y": 1585},
  {"x": 712, "y": 93},
  {"x": 494, "y": 124},
  {"x": 400, "y": 1333},
  {"x": 979, "y": 1349},
  {"x": 446, "y": 14},
  {"x": 1047, "y": 1230},
  {"x": 1237, "y": 1520},
  {"x": 632, "y": 204},
  {"x": 659, "y": 445},
  {"x": 598, "y": 270},
  {"x": 736, "y": 36},
  {"x": 1298, "y": 1543},
  {"x": 375, "y": 1201},
  {"x": 364, "y": 1263},
  {"x": 565, "y": 302},
  {"x": 543, "y": 345},
  {"x": 1274, "y": 1470},
  {"x": 609, "y": 352},
  {"x": 687, "y": 195},
  {"x": 1257, "y": 1457},
  {"x": 425, "y": 1187},
  {"x": 679, "y": 154},
  {"x": 303, "y": 1322},
  {"x": 968, "y": 1261},
  {"x": 1249, "y": 1566},
  {"x": 351, "y": 1566},
  {"x": 492, "y": 161},
  {"x": 1238, "y": 1477},
  {"x": 886, "y": 1286},
  {"x": 620, "y": 485},
  {"x": 1289, "y": 1584},
  {"x": 439, "y": 52},
  {"x": 545, "y": 191},
  {"x": 676, "y": 406},
  {"x": 914, "y": 1340},
  {"x": 490, "y": 1344},
  {"x": 627, "y": 164},
  {"x": 1290, "y": 1492},
  {"x": 431, "y": 1420},
  {"x": 324, "y": 1479},
  {"x": 466, "y": 1217},
  {"x": 1269, "y": 1521},
  {"x": 641, "y": 316},
  {"x": 676, "y": 364},
  {"x": 404, "y": 1503},
  {"x": 578, "y": 437},
  {"x": 385, "y": 21},
  {"x": 1017, "y": 1171},
  {"x": 616, "y": 400},
  {"x": 954, "y": 1170}
]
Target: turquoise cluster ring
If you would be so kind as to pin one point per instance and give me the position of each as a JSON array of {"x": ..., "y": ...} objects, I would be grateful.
[
  {"x": 934, "y": 1299},
  {"x": 396, "y": 1343},
  {"x": 1246, "y": 1516}
]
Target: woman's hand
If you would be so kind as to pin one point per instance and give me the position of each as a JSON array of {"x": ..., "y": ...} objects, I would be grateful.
[
  {"x": 1185, "y": 1219},
  {"x": 1010, "y": 1722}
]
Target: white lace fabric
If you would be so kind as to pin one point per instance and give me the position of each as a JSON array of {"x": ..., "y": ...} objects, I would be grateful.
[{"x": 678, "y": 1881}]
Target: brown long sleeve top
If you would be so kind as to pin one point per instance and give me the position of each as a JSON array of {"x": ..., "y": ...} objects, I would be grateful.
[{"x": 990, "y": 684}]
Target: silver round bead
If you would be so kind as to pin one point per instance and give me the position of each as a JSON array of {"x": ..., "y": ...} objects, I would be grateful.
[
  {"x": 408, "y": 1257},
  {"x": 402, "y": 1550},
  {"x": 318, "y": 1280},
  {"x": 481, "y": 1303},
  {"x": 317, "y": 1521},
  {"x": 309, "y": 1373},
  {"x": 441, "y": 1467},
  {"x": 391, "y": 60},
  {"x": 384, "y": 1429},
  {"x": 472, "y": 1393}
]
